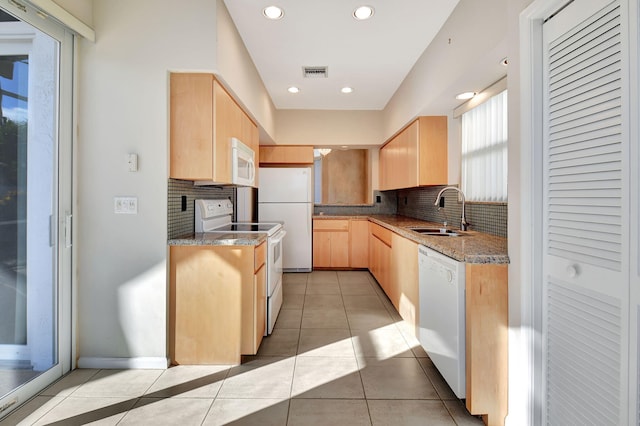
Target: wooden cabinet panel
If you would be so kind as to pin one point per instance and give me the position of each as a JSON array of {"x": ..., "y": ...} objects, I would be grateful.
[
  {"x": 321, "y": 249},
  {"x": 487, "y": 332},
  {"x": 331, "y": 243},
  {"x": 227, "y": 122},
  {"x": 217, "y": 303},
  {"x": 380, "y": 254},
  {"x": 206, "y": 304},
  {"x": 203, "y": 118},
  {"x": 331, "y": 249},
  {"x": 273, "y": 155},
  {"x": 340, "y": 249},
  {"x": 330, "y": 225},
  {"x": 260, "y": 308},
  {"x": 260, "y": 256},
  {"x": 191, "y": 126},
  {"x": 404, "y": 279},
  {"x": 416, "y": 156},
  {"x": 433, "y": 142},
  {"x": 359, "y": 244},
  {"x": 382, "y": 233}
]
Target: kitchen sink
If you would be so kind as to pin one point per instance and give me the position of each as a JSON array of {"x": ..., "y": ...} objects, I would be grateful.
[{"x": 442, "y": 232}]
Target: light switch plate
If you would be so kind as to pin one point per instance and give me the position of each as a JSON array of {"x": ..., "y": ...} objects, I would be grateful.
[
  {"x": 125, "y": 205},
  {"x": 132, "y": 161}
]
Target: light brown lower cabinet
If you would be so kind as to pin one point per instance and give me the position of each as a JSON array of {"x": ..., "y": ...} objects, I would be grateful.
[
  {"x": 380, "y": 257},
  {"x": 404, "y": 279},
  {"x": 487, "y": 330},
  {"x": 359, "y": 243},
  {"x": 393, "y": 261},
  {"x": 216, "y": 303},
  {"x": 331, "y": 243},
  {"x": 254, "y": 305}
]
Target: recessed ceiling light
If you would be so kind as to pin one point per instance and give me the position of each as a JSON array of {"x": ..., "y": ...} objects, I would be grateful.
[
  {"x": 466, "y": 95},
  {"x": 273, "y": 12},
  {"x": 363, "y": 12},
  {"x": 346, "y": 89},
  {"x": 293, "y": 89}
]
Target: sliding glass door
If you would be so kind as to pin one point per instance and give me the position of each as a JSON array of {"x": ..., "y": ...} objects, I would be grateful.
[{"x": 35, "y": 202}]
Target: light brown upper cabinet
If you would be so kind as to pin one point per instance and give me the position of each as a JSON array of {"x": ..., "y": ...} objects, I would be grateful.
[
  {"x": 417, "y": 156},
  {"x": 285, "y": 155},
  {"x": 203, "y": 119}
]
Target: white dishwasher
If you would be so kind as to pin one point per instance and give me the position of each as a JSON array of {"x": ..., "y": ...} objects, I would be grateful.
[{"x": 442, "y": 315}]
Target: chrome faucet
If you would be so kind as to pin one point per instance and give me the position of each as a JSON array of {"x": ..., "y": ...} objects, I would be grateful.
[{"x": 463, "y": 222}]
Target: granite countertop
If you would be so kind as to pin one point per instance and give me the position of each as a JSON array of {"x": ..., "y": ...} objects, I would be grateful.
[
  {"x": 472, "y": 247},
  {"x": 219, "y": 239}
]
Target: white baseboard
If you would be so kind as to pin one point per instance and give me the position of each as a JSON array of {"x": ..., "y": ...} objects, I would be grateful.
[{"x": 152, "y": 363}]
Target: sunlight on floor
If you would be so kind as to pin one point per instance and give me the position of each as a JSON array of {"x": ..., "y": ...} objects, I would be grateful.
[{"x": 339, "y": 354}]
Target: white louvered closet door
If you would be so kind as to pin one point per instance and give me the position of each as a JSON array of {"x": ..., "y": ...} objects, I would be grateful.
[{"x": 585, "y": 217}]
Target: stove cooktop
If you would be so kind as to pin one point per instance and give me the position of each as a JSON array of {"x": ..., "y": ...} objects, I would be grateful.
[{"x": 248, "y": 228}]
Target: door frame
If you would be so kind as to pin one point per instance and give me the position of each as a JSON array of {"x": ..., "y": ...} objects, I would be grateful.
[{"x": 525, "y": 360}]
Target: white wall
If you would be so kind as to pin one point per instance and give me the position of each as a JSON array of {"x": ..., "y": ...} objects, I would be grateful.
[
  {"x": 123, "y": 108},
  {"x": 328, "y": 127},
  {"x": 239, "y": 74}
]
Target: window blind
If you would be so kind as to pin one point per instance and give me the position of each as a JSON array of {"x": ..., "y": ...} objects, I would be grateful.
[{"x": 484, "y": 150}]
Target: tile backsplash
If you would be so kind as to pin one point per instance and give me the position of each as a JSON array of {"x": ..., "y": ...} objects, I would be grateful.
[
  {"x": 180, "y": 222},
  {"x": 490, "y": 218},
  {"x": 388, "y": 205}
]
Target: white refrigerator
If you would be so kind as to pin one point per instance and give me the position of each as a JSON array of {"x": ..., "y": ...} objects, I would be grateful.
[{"x": 286, "y": 195}]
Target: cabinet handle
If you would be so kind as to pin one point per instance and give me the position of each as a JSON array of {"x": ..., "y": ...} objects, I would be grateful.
[{"x": 573, "y": 271}]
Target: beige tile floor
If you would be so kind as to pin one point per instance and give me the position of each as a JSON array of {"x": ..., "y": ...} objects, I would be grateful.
[{"x": 339, "y": 355}]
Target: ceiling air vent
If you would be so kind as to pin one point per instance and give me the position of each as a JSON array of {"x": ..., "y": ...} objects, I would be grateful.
[{"x": 315, "y": 72}]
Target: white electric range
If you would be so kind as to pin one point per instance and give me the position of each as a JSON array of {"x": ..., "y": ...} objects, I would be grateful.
[{"x": 214, "y": 216}]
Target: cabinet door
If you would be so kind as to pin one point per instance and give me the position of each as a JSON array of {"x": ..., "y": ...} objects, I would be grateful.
[
  {"x": 379, "y": 261},
  {"x": 416, "y": 156},
  {"x": 404, "y": 279},
  {"x": 373, "y": 255},
  {"x": 227, "y": 123},
  {"x": 321, "y": 249},
  {"x": 260, "y": 307},
  {"x": 359, "y": 244},
  {"x": 432, "y": 137},
  {"x": 486, "y": 322},
  {"x": 286, "y": 155},
  {"x": 191, "y": 126},
  {"x": 409, "y": 158},
  {"x": 340, "y": 249},
  {"x": 205, "y": 317}
]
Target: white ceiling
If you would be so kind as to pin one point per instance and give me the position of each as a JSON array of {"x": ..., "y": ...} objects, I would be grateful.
[{"x": 373, "y": 56}]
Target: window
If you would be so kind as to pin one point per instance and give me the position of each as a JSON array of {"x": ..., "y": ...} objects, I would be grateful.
[{"x": 484, "y": 151}]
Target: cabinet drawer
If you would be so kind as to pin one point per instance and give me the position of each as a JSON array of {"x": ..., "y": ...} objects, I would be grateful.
[
  {"x": 259, "y": 256},
  {"x": 330, "y": 224},
  {"x": 383, "y": 234}
]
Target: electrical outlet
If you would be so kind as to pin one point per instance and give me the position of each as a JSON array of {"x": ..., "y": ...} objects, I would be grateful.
[
  {"x": 378, "y": 199},
  {"x": 125, "y": 205},
  {"x": 183, "y": 203}
]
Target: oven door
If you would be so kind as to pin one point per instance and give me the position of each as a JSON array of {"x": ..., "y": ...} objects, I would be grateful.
[{"x": 274, "y": 260}]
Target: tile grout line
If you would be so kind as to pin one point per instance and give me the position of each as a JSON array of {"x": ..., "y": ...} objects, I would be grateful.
[{"x": 355, "y": 353}]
